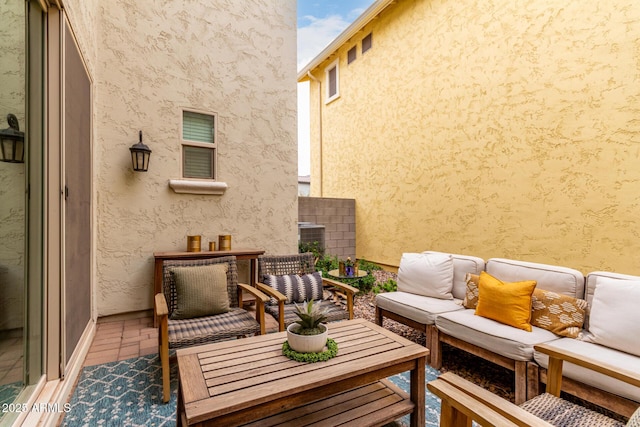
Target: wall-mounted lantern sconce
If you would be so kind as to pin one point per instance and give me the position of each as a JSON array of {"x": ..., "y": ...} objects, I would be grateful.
[
  {"x": 12, "y": 141},
  {"x": 140, "y": 154}
]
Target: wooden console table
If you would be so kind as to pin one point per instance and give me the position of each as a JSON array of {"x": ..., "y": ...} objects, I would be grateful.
[
  {"x": 250, "y": 254},
  {"x": 249, "y": 381}
]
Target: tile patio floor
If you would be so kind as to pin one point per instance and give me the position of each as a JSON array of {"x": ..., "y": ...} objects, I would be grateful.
[{"x": 130, "y": 335}]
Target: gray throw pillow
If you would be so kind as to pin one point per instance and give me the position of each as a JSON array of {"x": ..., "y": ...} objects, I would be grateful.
[
  {"x": 200, "y": 291},
  {"x": 296, "y": 288}
]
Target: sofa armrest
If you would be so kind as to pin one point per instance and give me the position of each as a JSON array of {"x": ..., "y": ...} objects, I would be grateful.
[
  {"x": 253, "y": 291},
  {"x": 260, "y": 299},
  {"x": 557, "y": 356},
  {"x": 160, "y": 307},
  {"x": 342, "y": 286},
  {"x": 463, "y": 401},
  {"x": 279, "y": 296}
]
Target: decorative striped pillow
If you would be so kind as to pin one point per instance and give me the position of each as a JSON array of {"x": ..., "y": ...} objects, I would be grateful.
[{"x": 296, "y": 288}]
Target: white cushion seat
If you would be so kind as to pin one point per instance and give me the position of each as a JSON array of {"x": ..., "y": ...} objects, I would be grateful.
[
  {"x": 418, "y": 308},
  {"x": 622, "y": 361},
  {"x": 505, "y": 340}
]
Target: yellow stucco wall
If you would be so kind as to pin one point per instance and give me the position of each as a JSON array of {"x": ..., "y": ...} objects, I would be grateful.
[{"x": 498, "y": 129}]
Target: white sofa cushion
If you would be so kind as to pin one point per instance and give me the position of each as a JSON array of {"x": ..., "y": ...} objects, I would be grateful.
[
  {"x": 505, "y": 340},
  {"x": 416, "y": 307},
  {"x": 623, "y": 361},
  {"x": 462, "y": 264},
  {"x": 426, "y": 274},
  {"x": 592, "y": 280},
  {"x": 614, "y": 316},
  {"x": 554, "y": 278}
]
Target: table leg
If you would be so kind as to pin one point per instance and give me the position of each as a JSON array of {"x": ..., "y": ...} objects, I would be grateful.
[
  {"x": 180, "y": 406},
  {"x": 254, "y": 271},
  {"x": 417, "y": 392}
]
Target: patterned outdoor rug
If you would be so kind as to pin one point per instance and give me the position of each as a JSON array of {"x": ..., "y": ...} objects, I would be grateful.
[
  {"x": 130, "y": 393},
  {"x": 126, "y": 393},
  {"x": 9, "y": 392}
]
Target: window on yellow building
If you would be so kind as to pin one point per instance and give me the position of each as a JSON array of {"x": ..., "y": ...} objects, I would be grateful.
[
  {"x": 333, "y": 81},
  {"x": 351, "y": 55},
  {"x": 367, "y": 42}
]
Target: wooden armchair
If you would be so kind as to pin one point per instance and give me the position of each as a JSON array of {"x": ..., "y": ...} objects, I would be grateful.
[
  {"x": 234, "y": 323},
  {"x": 463, "y": 401},
  {"x": 299, "y": 264}
]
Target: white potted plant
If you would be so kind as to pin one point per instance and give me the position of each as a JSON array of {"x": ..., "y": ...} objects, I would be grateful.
[{"x": 309, "y": 334}]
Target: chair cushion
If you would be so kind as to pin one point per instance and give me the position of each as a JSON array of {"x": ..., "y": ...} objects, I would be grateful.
[
  {"x": 426, "y": 274},
  {"x": 514, "y": 343},
  {"x": 295, "y": 287},
  {"x": 416, "y": 307},
  {"x": 200, "y": 291},
  {"x": 560, "y": 412},
  {"x": 562, "y": 280},
  {"x": 462, "y": 264},
  {"x": 335, "y": 312},
  {"x": 602, "y": 355},
  {"x": 634, "y": 420},
  {"x": 236, "y": 322},
  {"x": 508, "y": 303},
  {"x": 614, "y": 315},
  {"x": 561, "y": 314}
]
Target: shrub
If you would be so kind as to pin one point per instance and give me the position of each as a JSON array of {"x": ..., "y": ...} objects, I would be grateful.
[
  {"x": 313, "y": 247},
  {"x": 326, "y": 263},
  {"x": 368, "y": 266},
  {"x": 389, "y": 286}
]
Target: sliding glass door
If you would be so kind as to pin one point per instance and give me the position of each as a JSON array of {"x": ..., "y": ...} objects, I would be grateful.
[{"x": 21, "y": 129}]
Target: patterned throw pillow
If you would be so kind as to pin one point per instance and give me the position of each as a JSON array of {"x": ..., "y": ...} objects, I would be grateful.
[
  {"x": 471, "y": 297},
  {"x": 561, "y": 314},
  {"x": 200, "y": 291},
  {"x": 296, "y": 288}
]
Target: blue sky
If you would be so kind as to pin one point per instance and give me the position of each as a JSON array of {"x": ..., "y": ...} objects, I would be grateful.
[{"x": 319, "y": 23}]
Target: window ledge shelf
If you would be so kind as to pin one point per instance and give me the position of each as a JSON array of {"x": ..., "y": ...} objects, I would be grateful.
[{"x": 185, "y": 186}]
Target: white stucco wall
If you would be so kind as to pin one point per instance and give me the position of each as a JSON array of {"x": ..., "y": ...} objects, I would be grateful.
[
  {"x": 236, "y": 59},
  {"x": 12, "y": 182}
]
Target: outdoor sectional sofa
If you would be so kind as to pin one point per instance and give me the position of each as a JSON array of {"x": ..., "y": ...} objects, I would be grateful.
[{"x": 443, "y": 317}]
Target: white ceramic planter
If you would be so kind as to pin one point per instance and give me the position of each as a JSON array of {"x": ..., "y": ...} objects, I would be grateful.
[{"x": 307, "y": 343}]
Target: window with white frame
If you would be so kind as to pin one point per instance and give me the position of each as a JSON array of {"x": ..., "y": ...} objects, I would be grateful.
[
  {"x": 199, "y": 145},
  {"x": 333, "y": 81}
]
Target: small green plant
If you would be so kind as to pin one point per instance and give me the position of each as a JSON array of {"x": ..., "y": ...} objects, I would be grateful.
[
  {"x": 311, "y": 316},
  {"x": 389, "y": 286},
  {"x": 313, "y": 247},
  {"x": 327, "y": 263},
  {"x": 368, "y": 266}
]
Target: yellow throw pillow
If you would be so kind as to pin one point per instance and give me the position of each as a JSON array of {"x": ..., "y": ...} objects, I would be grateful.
[
  {"x": 471, "y": 297},
  {"x": 561, "y": 314},
  {"x": 508, "y": 303}
]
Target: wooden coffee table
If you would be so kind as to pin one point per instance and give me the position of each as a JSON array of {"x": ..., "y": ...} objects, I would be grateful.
[{"x": 249, "y": 381}]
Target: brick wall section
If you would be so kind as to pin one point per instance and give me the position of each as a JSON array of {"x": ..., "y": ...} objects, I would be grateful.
[{"x": 339, "y": 219}]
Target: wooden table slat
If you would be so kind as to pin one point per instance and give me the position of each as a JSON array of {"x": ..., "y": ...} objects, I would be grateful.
[
  {"x": 252, "y": 379},
  {"x": 302, "y": 368},
  {"x": 297, "y": 413},
  {"x": 252, "y": 394},
  {"x": 197, "y": 389}
]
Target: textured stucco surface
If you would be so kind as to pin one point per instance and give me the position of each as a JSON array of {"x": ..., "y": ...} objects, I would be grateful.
[
  {"x": 235, "y": 59},
  {"x": 501, "y": 128},
  {"x": 12, "y": 179}
]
